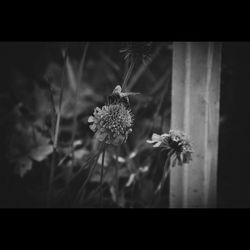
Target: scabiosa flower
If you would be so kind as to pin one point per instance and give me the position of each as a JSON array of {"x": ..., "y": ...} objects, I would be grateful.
[
  {"x": 112, "y": 123},
  {"x": 177, "y": 141}
]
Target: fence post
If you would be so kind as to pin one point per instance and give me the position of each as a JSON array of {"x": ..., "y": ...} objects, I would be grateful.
[{"x": 195, "y": 110}]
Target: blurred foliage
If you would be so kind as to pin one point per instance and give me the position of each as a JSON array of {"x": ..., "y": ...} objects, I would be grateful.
[{"x": 86, "y": 86}]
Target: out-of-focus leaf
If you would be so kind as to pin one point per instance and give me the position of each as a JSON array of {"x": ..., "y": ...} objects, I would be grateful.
[
  {"x": 119, "y": 159},
  {"x": 77, "y": 143},
  {"x": 109, "y": 176},
  {"x": 132, "y": 155},
  {"x": 106, "y": 159},
  {"x": 130, "y": 180},
  {"x": 136, "y": 175},
  {"x": 79, "y": 153},
  {"x": 23, "y": 165},
  {"x": 71, "y": 75},
  {"x": 41, "y": 152},
  {"x": 113, "y": 193},
  {"x": 86, "y": 98},
  {"x": 144, "y": 169}
]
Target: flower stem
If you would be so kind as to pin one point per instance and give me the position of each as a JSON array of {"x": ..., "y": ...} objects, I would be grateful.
[
  {"x": 91, "y": 171},
  {"x": 101, "y": 177},
  {"x": 166, "y": 170},
  {"x": 128, "y": 74},
  {"x": 116, "y": 175},
  {"x": 78, "y": 81},
  {"x": 57, "y": 129}
]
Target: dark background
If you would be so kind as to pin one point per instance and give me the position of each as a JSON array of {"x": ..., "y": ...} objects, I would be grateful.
[{"x": 233, "y": 166}]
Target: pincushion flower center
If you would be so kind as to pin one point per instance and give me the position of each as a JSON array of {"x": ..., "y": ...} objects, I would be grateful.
[{"x": 112, "y": 123}]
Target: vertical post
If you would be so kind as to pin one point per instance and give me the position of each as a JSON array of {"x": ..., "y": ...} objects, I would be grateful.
[{"x": 195, "y": 110}]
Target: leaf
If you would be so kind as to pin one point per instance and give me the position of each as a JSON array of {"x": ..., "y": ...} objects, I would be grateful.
[
  {"x": 119, "y": 159},
  {"x": 41, "y": 152},
  {"x": 78, "y": 154},
  {"x": 132, "y": 154},
  {"x": 24, "y": 164},
  {"x": 71, "y": 75},
  {"x": 113, "y": 194},
  {"x": 144, "y": 169},
  {"x": 106, "y": 159},
  {"x": 130, "y": 180}
]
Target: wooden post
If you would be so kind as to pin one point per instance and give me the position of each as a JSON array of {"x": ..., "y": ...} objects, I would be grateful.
[{"x": 195, "y": 110}]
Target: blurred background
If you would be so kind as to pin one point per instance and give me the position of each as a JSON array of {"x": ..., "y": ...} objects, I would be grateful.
[{"x": 30, "y": 80}]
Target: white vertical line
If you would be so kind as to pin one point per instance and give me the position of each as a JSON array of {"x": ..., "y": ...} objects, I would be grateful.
[
  {"x": 186, "y": 117},
  {"x": 207, "y": 155}
]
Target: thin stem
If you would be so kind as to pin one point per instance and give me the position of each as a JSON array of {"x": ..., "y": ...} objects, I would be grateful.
[
  {"x": 101, "y": 177},
  {"x": 128, "y": 74},
  {"x": 166, "y": 170},
  {"x": 99, "y": 187},
  {"x": 53, "y": 161},
  {"x": 79, "y": 76},
  {"x": 53, "y": 111},
  {"x": 164, "y": 92},
  {"x": 80, "y": 174},
  {"x": 90, "y": 173},
  {"x": 74, "y": 126},
  {"x": 142, "y": 69},
  {"x": 116, "y": 175}
]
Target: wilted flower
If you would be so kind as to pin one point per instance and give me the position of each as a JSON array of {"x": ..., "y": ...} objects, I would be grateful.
[
  {"x": 137, "y": 51},
  {"x": 176, "y": 141},
  {"x": 157, "y": 140},
  {"x": 112, "y": 123}
]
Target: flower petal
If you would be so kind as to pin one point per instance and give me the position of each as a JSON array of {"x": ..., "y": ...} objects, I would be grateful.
[
  {"x": 157, "y": 144},
  {"x": 118, "y": 140},
  {"x": 148, "y": 141},
  {"x": 91, "y": 119},
  {"x": 102, "y": 136},
  {"x": 93, "y": 127},
  {"x": 156, "y": 137}
]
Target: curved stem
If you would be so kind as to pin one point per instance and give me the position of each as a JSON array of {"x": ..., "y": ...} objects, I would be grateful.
[{"x": 166, "y": 170}]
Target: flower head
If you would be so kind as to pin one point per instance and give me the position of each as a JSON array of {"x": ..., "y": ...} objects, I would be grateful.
[
  {"x": 137, "y": 51},
  {"x": 176, "y": 141},
  {"x": 112, "y": 123}
]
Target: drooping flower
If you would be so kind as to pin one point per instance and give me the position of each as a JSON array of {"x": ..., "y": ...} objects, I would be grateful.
[
  {"x": 177, "y": 141},
  {"x": 112, "y": 123},
  {"x": 157, "y": 140}
]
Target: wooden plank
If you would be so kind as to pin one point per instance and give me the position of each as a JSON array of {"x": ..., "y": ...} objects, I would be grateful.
[{"x": 195, "y": 110}]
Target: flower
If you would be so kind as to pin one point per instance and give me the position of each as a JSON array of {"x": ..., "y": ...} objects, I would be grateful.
[
  {"x": 177, "y": 141},
  {"x": 112, "y": 123},
  {"x": 157, "y": 140},
  {"x": 137, "y": 51}
]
